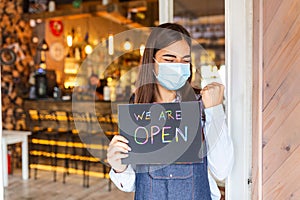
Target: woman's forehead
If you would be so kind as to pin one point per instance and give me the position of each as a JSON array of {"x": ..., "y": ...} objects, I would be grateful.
[{"x": 179, "y": 48}]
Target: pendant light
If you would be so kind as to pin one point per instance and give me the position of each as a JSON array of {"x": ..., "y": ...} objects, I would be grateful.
[
  {"x": 43, "y": 46},
  {"x": 69, "y": 40},
  {"x": 127, "y": 46},
  {"x": 88, "y": 49}
]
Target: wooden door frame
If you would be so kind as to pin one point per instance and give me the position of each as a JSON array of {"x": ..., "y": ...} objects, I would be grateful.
[{"x": 257, "y": 107}]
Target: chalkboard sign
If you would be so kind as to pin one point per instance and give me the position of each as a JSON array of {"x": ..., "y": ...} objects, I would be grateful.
[{"x": 162, "y": 133}]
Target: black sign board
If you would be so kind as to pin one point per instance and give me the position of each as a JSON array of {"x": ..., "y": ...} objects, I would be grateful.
[{"x": 162, "y": 133}]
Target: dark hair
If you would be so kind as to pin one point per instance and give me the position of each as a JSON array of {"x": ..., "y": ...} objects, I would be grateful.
[{"x": 160, "y": 37}]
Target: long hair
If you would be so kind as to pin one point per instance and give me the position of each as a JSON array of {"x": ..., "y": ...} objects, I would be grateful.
[{"x": 160, "y": 37}]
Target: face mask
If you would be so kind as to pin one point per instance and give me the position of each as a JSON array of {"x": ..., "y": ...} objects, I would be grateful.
[{"x": 172, "y": 76}]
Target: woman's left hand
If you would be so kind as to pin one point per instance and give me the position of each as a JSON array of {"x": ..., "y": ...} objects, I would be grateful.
[{"x": 212, "y": 94}]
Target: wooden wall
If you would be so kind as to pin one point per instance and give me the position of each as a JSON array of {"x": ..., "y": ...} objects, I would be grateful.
[
  {"x": 15, "y": 33},
  {"x": 279, "y": 40}
]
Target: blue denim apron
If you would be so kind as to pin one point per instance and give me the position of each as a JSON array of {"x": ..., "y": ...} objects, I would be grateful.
[{"x": 172, "y": 182}]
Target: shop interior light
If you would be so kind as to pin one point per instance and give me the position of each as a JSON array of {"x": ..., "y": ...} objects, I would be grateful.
[
  {"x": 127, "y": 45},
  {"x": 69, "y": 40},
  {"x": 88, "y": 49},
  {"x": 32, "y": 23},
  {"x": 42, "y": 65},
  {"x": 95, "y": 42},
  {"x": 35, "y": 39},
  {"x": 142, "y": 49},
  {"x": 38, "y": 21},
  {"x": 111, "y": 44},
  {"x": 43, "y": 46}
]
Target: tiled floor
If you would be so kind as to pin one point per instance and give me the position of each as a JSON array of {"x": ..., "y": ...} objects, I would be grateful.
[{"x": 45, "y": 189}]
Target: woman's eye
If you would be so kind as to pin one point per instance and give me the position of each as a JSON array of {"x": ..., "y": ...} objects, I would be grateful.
[
  {"x": 168, "y": 60},
  {"x": 172, "y": 60}
]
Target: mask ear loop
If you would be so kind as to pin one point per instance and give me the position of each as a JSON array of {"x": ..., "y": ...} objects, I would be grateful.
[{"x": 156, "y": 75}]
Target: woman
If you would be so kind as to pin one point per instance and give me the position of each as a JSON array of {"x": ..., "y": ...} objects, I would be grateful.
[{"x": 168, "y": 48}]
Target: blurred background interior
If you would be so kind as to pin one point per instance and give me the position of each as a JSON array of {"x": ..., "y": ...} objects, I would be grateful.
[{"x": 86, "y": 51}]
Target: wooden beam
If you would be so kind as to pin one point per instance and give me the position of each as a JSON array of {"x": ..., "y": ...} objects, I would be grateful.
[{"x": 119, "y": 19}]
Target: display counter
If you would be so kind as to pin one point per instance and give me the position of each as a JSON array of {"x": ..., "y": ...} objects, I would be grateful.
[
  {"x": 71, "y": 105},
  {"x": 66, "y": 132}
]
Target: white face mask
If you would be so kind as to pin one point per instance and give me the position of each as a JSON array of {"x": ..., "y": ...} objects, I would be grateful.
[{"x": 172, "y": 76}]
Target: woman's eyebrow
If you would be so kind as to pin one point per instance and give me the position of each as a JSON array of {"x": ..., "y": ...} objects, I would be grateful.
[
  {"x": 173, "y": 56},
  {"x": 169, "y": 55}
]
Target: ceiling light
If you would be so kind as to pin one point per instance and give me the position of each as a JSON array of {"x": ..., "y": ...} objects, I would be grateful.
[
  {"x": 69, "y": 40},
  {"x": 127, "y": 45},
  {"x": 88, "y": 49},
  {"x": 142, "y": 49},
  {"x": 111, "y": 44}
]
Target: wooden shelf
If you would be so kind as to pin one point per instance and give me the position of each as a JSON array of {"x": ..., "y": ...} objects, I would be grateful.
[{"x": 87, "y": 9}]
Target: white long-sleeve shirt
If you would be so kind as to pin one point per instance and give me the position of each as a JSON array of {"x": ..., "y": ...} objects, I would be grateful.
[{"x": 220, "y": 154}]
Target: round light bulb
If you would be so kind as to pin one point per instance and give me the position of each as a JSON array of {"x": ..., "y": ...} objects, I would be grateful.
[
  {"x": 35, "y": 39},
  {"x": 127, "y": 45},
  {"x": 88, "y": 49},
  {"x": 32, "y": 23}
]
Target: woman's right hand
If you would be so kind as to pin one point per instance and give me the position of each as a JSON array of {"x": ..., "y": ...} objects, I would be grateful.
[{"x": 118, "y": 148}]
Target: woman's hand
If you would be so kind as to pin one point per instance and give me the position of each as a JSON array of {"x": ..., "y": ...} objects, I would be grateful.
[
  {"x": 117, "y": 149},
  {"x": 212, "y": 94}
]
